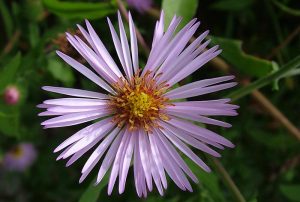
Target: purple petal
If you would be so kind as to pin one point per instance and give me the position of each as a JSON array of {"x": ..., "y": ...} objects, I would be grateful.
[{"x": 75, "y": 92}]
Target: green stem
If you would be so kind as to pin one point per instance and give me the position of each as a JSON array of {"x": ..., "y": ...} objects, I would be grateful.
[
  {"x": 266, "y": 80},
  {"x": 227, "y": 180}
]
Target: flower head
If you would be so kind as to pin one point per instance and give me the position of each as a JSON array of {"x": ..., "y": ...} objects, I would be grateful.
[
  {"x": 11, "y": 95},
  {"x": 141, "y": 118},
  {"x": 140, "y": 5},
  {"x": 20, "y": 157}
]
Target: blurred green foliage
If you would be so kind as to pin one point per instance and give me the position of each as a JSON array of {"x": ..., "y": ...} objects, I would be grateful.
[{"x": 252, "y": 34}]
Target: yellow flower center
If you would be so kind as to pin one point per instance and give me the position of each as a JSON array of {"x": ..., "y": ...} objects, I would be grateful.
[
  {"x": 17, "y": 152},
  {"x": 139, "y": 102}
]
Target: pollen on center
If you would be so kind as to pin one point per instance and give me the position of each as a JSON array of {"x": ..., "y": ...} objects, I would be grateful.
[{"x": 139, "y": 102}]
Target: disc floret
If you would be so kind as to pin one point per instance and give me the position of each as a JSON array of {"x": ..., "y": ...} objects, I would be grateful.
[{"x": 139, "y": 102}]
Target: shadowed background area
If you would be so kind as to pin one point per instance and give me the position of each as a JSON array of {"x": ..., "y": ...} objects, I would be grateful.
[{"x": 260, "y": 40}]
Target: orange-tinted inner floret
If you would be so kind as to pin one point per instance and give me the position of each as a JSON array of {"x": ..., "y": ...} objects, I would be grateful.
[{"x": 139, "y": 102}]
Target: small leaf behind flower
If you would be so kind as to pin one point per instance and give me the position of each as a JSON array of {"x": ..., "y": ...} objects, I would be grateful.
[
  {"x": 246, "y": 64},
  {"x": 183, "y": 8},
  {"x": 80, "y": 10},
  {"x": 92, "y": 193},
  {"x": 8, "y": 73}
]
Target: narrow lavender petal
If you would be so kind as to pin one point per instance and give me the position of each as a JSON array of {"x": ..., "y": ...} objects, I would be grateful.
[
  {"x": 75, "y": 92},
  {"x": 86, "y": 36},
  {"x": 157, "y": 159},
  {"x": 71, "y": 109},
  {"x": 116, "y": 165},
  {"x": 117, "y": 44},
  {"x": 125, "y": 47},
  {"x": 154, "y": 171},
  {"x": 175, "y": 46},
  {"x": 126, "y": 163},
  {"x": 61, "y": 155},
  {"x": 201, "y": 132},
  {"x": 217, "y": 104},
  {"x": 77, "y": 121},
  {"x": 138, "y": 180},
  {"x": 204, "y": 111},
  {"x": 195, "y": 65},
  {"x": 86, "y": 72},
  {"x": 42, "y": 106},
  {"x": 170, "y": 170},
  {"x": 163, "y": 142},
  {"x": 199, "y": 118},
  {"x": 96, "y": 62},
  {"x": 82, "y": 151},
  {"x": 162, "y": 43},
  {"x": 190, "y": 140},
  {"x": 199, "y": 84},
  {"x": 200, "y": 91},
  {"x": 99, "y": 151},
  {"x": 97, "y": 134},
  {"x": 81, "y": 133},
  {"x": 180, "y": 60},
  {"x": 79, "y": 102},
  {"x": 73, "y": 117},
  {"x": 102, "y": 51},
  {"x": 114, "y": 72},
  {"x": 48, "y": 113},
  {"x": 178, "y": 172},
  {"x": 105, "y": 143},
  {"x": 186, "y": 150},
  {"x": 110, "y": 156},
  {"x": 159, "y": 30},
  {"x": 144, "y": 158},
  {"x": 133, "y": 44}
]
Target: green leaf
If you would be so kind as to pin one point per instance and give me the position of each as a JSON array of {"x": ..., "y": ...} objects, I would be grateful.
[
  {"x": 61, "y": 72},
  {"x": 292, "y": 192},
  {"x": 9, "y": 120},
  {"x": 8, "y": 74},
  {"x": 80, "y": 10},
  {"x": 295, "y": 63},
  {"x": 284, "y": 8},
  {"x": 231, "y": 5},
  {"x": 92, "y": 193},
  {"x": 183, "y": 8},
  {"x": 7, "y": 19},
  {"x": 247, "y": 64}
]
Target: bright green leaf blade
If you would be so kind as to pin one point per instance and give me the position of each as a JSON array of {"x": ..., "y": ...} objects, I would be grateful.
[
  {"x": 92, "y": 193},
  {"x": 80, "y": 10},
  {"x": 292, "y": 192},
  {"x": 183, "y": 8},
  {"x": 247, "y": 64},
  {"x": 60, "y": 72},
  {"x": 7, "y": 75},
  {"x": 295, "y": 63}
]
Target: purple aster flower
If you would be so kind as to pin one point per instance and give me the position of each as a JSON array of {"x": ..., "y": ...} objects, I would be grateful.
[
  {"x": 140, "y": 5},
  {"x": 20, "y": 157},
  {"x": 141, "y": 119}
]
